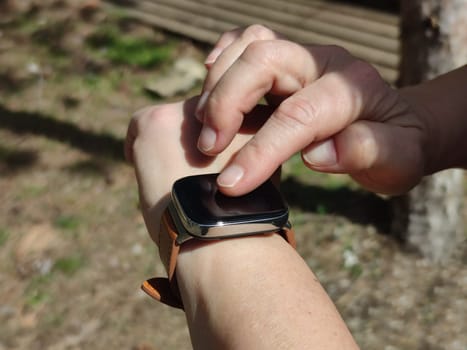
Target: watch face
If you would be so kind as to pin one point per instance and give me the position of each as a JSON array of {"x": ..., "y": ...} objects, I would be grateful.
[{"x": 204, "y": 211}]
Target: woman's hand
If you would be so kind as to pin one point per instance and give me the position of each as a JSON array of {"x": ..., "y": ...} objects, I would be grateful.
[{"x": 331, "y": 106}]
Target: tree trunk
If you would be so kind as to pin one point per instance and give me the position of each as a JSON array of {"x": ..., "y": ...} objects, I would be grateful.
[
  {"x": 429, "y": 219},
  {"x": 434, "y": 41}
]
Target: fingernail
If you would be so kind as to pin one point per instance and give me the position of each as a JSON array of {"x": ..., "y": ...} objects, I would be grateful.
[
  {"x": 207, "y": 139},
  {"x": 230, "y": 176},
  {"x": 200, "y": 106},
  {"x": 212, "y": 57},
  {"x": 323, "y": 154}
]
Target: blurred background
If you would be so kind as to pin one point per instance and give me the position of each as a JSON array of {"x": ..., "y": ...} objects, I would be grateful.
[{"x": 73, "y": 246}]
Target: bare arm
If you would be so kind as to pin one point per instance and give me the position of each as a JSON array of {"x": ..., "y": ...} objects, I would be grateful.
[
  {"x": 246, "y": 293},
  {"x": 442, "y": 103},
  {"x": 257, "y": 293}
]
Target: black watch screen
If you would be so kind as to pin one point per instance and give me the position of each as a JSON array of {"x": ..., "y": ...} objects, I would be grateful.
[{"x": 201, "y": 204}]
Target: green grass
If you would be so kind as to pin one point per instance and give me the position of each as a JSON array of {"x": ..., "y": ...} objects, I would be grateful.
[
  {"x": 27, "y": 24},
  {"x": 36, "y": 298},
  {"x": 31, "y": 191},
  {"x": 92, "y": 80},
  {"x": 356, "y": 271},
  {"x": 54, "y": 320},
  {"x": 138, "y": 52},
  {"x": 321, "y": 209},
  {"x": 3, "y": 236},
  {"x": 125, "y": 49},
  {"x": 67, "y": 222},
  {"x": 36, "y": 291},
  {"x": 294, "y": 167},
  {"x": 69, "y": 265},
  {"x": 351, "y": 261}
]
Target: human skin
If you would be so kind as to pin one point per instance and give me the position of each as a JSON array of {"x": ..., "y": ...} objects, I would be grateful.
[
  {"x": 244, "y": 293},
  {"x": 333, "y": 108}
]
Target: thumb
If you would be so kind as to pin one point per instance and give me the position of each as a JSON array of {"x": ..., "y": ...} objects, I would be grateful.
[{"x": 384, "y": 158}]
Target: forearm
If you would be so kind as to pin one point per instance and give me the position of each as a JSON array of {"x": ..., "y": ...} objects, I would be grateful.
[
  {"x": 256, "y": 293},
  {"x": 442, "y": 105}
]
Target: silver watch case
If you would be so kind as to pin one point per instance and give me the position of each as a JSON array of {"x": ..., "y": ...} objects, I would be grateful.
[{"x": 231, "y": 226}]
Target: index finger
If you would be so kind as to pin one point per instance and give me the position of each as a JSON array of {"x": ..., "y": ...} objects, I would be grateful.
[{"x": 264, "y": 67}]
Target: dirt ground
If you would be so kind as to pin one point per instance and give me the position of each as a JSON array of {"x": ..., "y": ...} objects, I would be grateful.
[{"x": 73, "y": 246}]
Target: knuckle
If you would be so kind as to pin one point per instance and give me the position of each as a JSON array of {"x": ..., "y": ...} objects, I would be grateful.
[
  {"x": 260, "y": 154},
  {"x": 365, "y": 71},
  {"x": 147, "y": 126},
  {"x": 338, "y": 57},
  {"x": 214, "y": 106},
  {"x": 297, "y": 112},
  {"x": 151, "y": 119},
  {"x": 230, "y": 35},
  {"x": 220, "y": 113},
  {"x": 258, "y": 32},
  {"x": 260, "y": 52}
]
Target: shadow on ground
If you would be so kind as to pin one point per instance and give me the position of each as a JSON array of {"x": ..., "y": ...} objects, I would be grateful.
[
  {"x": 99, "y": 144},
  {"x": 358, "y": 206}
]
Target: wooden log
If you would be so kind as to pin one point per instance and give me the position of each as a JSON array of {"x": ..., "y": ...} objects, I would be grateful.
[
  {"x": 205, "y": 20},
  {"x": 378, "y": 57},
  {"x": 238, "y": 12},
  {"x": 194, "y": 32},
  {"x": 352, "y": 17}
]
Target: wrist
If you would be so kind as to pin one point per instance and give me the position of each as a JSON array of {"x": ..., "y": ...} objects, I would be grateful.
[
  {"x": 228, "y": 286},
  {"x": 428, "y": 142},
  {"x": 440, "y": 105},
  {"x": 256, "y": 293},
  {"x": 202, "y": 264}
]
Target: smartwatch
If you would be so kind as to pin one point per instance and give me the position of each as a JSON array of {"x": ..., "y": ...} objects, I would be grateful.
[{"x": 199, "y": 211}]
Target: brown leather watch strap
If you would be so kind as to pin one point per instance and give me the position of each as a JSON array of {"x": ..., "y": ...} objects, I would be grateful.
[
  {"x": 166, "y": 290},
  {"x": 288, "y": 234},
  {"x": 168, "y": 249},
  {"x": 163, "y": 290}
]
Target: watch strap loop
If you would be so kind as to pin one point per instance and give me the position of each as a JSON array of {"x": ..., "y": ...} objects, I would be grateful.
[{"x": 163, "y": 290}]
